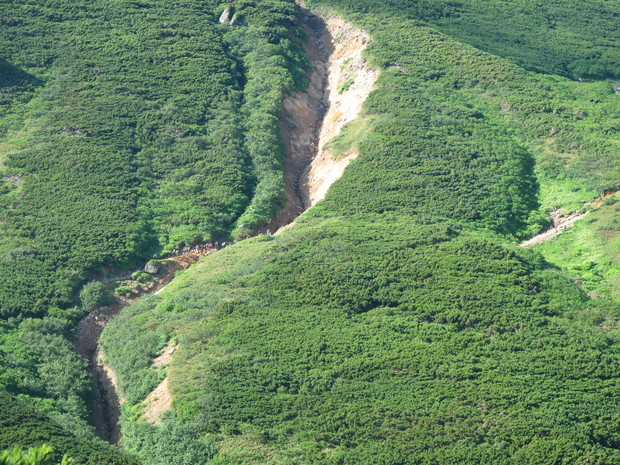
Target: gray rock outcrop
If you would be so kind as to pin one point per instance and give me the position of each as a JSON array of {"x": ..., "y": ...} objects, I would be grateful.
[
  {"x": 225, "y": 16},
  {"x": 151, "y": 269}
]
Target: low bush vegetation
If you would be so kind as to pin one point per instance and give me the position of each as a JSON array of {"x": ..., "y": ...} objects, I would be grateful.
[
  {"x": 127, "y": 129},
  {"x": 579, "y": 39},
  {"x": 397, "y": 322},
  {"x": 348, "y": 341},
  {"x": 30, "y": 427}
]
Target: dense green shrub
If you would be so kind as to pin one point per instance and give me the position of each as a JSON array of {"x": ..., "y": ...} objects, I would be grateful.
[
  {"x": 456, "y": 133},
  {"x": 33, "y": 456},
  {"x": 94, "y": 295},
  {"x": 110, "y": 163},
  {"x": 577, "y": 39},
  {"x": 22, "y": 426},
  {"x": 126, "y": 130},
  {"x": 174, "y": 443},
  {"x": 348, "y": 340}
]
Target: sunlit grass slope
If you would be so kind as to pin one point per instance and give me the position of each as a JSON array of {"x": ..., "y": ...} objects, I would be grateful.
[{"x": 397, "y": 322}]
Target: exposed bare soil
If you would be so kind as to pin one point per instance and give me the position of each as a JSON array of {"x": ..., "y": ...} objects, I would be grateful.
[
  {"x": 166, "y": 356},
  {"x": 160, "y": 399},
  {"x": 158, "y": 402},
  {"x": 350, "y": 81},
  {"x": 106, "y": 406},
  {"x": 559, "y": 223},
  {"x": 340, "y": 82}
]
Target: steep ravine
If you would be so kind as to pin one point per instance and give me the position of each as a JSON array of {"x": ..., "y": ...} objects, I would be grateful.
[
  {"x": 339, "y": 82},
  {"x": 106, "y": 404}
]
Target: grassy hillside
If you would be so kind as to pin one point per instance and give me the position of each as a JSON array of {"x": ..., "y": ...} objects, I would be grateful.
[
  {"x": 377, "y": 341},
  {"x": 589, "y": 252},
  {"x": 455, "y": 122},
  {"x": 126, "y": 129},
  {"x": 397, "y": 322},
  {"x": 577, "y": 39}
]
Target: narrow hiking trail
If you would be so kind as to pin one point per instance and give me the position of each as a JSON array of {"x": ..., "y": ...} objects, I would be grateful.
[
  {"x": 339, "y": 82},
  {"x": 561, "y": 222}
]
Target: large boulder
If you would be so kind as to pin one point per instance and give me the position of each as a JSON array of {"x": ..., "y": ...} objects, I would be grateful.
[{"x": 151, "y": 269}]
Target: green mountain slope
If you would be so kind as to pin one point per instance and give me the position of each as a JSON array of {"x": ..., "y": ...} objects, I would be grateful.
[
  {"x": 23, "y": 425},
  {"x": 378, "y": 342},
  {"x": 397, "y": 322},
  {"x": 127, "y": 129},
  {"x": 577, "y": 39},
  {"x": 135, "y": 140}
]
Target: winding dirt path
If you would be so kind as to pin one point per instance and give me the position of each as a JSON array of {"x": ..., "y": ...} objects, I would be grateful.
[{"x": 559, "y": 224}]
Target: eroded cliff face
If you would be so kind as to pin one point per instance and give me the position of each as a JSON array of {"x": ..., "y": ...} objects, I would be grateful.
[
  {"x": 340, "y": 82},
  {"x": 350, "y": 81}
]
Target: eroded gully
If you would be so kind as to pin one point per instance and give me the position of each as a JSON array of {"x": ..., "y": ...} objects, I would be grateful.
[{"x": 309, "y": 120}]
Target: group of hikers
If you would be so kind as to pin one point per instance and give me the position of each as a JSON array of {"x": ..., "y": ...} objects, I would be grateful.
[{"x": 211, "y": 246}]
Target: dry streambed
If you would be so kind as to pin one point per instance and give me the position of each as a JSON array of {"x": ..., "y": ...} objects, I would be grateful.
[
  {"x": 106, "y": 405},
  {"x": 340, "y": 81},
  {"x": 350, "y": 81}
]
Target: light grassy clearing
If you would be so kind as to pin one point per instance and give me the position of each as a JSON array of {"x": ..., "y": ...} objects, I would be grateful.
[
  {"x": 350, "y": 136},
  {"x": 590, "y": 251}
]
